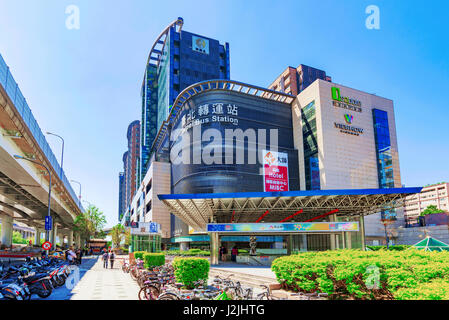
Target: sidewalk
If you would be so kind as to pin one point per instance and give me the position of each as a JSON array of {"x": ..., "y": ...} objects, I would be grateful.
[{"x": 106, "y": 284}]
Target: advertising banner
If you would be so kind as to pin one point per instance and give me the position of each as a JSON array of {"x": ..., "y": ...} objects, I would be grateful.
[
  {"x": 145, "y": 228},
  {"x": 296, "y": 227},
  {"x": 275, "y": 171}
]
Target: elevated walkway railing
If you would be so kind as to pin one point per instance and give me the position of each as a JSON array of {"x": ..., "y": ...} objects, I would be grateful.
[{"x": 19, "y": 101}]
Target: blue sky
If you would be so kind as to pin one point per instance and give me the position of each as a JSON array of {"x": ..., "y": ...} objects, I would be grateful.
[{"x": 85, "y": 84}]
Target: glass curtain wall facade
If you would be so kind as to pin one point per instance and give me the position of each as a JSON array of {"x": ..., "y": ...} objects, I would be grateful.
[
  {"x": 148, "y": 243},
  {"x": 186, "y": 58},
  {"x": 383, "y": 154},
  {"x": 309, "y": 132},
  {"x": 149, "y": 127}
]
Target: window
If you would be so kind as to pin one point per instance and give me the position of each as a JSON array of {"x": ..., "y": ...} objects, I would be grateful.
[
  {"x": 148, "y": 208},
  {"x": 148, "y": 188}
]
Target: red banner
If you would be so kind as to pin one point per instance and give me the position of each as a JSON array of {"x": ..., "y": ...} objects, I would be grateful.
[{"x": 275, "y": 171}]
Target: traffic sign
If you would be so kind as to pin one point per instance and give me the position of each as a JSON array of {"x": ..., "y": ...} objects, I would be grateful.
[
  {"x": 48, "y": 223},
  {"x": 46, "y": 245}
]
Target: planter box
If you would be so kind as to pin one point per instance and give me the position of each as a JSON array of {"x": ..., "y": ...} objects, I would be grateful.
[{"x": 436, "y": 219}]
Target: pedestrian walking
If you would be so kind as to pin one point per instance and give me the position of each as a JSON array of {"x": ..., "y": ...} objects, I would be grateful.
[
  {"x": 71, "y": 256},
  {"x": 111, "y": 258},
  {"x": 79, "y": 255},
  {"x": 105, "y": 259},
  {"x": 234, "y": 253},
  {"x": 225, "y": 253},
  {"x": 220, "y": 253}
]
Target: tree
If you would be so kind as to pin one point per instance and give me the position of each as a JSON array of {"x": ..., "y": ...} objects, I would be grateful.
[
  {"x": 127, "y": 237},
  {"x": 90, "y": 223},
  {"x": 431, "y": 210},
  {"x": 17, "y": 238},
  {"x": 117, "y": 234}
]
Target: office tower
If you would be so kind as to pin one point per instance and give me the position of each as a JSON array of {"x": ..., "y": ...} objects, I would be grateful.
[
  {"x": 295, "y": 80},
  {"x": 177, "y": 60}
]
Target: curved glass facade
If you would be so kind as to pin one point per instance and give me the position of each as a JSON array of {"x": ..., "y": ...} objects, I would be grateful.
[{"x": 226, "y": 133}]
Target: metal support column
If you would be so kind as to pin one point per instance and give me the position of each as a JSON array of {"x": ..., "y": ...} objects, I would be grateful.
[{"x": 362, "y": 231}]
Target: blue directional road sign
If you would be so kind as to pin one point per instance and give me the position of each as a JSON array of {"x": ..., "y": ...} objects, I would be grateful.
[{"x": 48, "y": 222}]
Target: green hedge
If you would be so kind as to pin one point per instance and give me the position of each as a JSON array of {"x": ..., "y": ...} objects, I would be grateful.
[
  {"x": 189, "y": 253},
  {"x": 139, "y": 254},
  {"x": 355, "y": 274},
  {"x": 153, "y": 259},
  {"x": 190, "y": 270},
  {"x": 394, "y": 248}
]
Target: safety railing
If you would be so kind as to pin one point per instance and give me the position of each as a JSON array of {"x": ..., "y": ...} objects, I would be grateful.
[{"x": 19, "y": 101}]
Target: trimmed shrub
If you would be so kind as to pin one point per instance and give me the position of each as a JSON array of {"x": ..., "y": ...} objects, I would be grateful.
[
  {"x": 189, "y": 253},
  {"x": 139, "y": 254},
  {"x": 355, "y": 274},
  {"x": 190, "y": 270},
  {"x": 153, "y": 259},
  {"x": 393, "y": 248}
]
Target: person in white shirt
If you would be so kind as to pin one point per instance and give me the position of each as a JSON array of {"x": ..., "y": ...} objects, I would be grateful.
[{"x": 71, "y": 255}]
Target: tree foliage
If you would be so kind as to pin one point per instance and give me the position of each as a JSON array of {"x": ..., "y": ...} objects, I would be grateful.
[
  {"x": 117, "y": 235},
  {"x": 90, "y": 223},
  {"x": 431, "y": 210}
]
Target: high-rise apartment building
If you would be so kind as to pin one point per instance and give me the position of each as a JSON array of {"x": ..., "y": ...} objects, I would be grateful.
[
  {"x": 433, "y": 195},
  {"x": 133, "y": 136},
  {"x": 128, "y": 179},
  {"x": 295, "y": 80},
  {"x": 177, "y": 59},
  {"x": 121, "y": 195}
]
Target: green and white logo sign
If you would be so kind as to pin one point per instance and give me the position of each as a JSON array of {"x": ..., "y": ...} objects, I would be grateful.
[{"x": 337, "y": 96}]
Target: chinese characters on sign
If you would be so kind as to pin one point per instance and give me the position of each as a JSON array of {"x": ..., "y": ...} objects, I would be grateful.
[
  {"x": 214, "y": 112},
  {"x": 275, "y": 171}
]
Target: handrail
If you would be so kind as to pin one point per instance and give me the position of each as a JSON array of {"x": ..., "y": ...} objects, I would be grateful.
[{"x": 13, "y": 91}]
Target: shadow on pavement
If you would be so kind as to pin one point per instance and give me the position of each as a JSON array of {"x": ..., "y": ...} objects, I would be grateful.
[{"x": 64, "y": 293}]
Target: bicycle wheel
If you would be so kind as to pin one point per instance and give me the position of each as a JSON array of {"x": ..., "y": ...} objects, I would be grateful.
[
  {"x": 134, "y": 274},
  {"x": 168, "y": 296},
  {"x": 148, "y": 292}
]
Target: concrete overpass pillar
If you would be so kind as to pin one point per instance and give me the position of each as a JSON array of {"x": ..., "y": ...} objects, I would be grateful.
[
  {"x": 7, "y": 223},
  {"x": 37, "y": 236},
  {"x": 78, "y": 240},
  {"x": 70, "y": 238},
  {"x": 53, "y": 234}
]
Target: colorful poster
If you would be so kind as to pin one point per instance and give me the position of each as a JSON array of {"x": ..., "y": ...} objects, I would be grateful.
[
  {"x": 275, "y": 171},
  {"x": 296, "y": 227},
  {"x": 144, "y": 228}
]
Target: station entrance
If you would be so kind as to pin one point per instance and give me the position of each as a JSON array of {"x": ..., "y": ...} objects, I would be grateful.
[{"x": 306, "y": 220}]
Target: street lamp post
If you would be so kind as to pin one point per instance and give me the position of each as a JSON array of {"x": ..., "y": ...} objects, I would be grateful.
[
  {"x": 80, "y": 191},
  {"x": 387, "y": 222},
  {"x": 47, "y": 233},
  {"x": 62, "y": 153}
]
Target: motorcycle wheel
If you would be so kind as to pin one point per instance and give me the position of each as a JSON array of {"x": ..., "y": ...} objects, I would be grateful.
[
  {"x": 44, "y": 293},
  {"x": 60, "y": 281}
]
